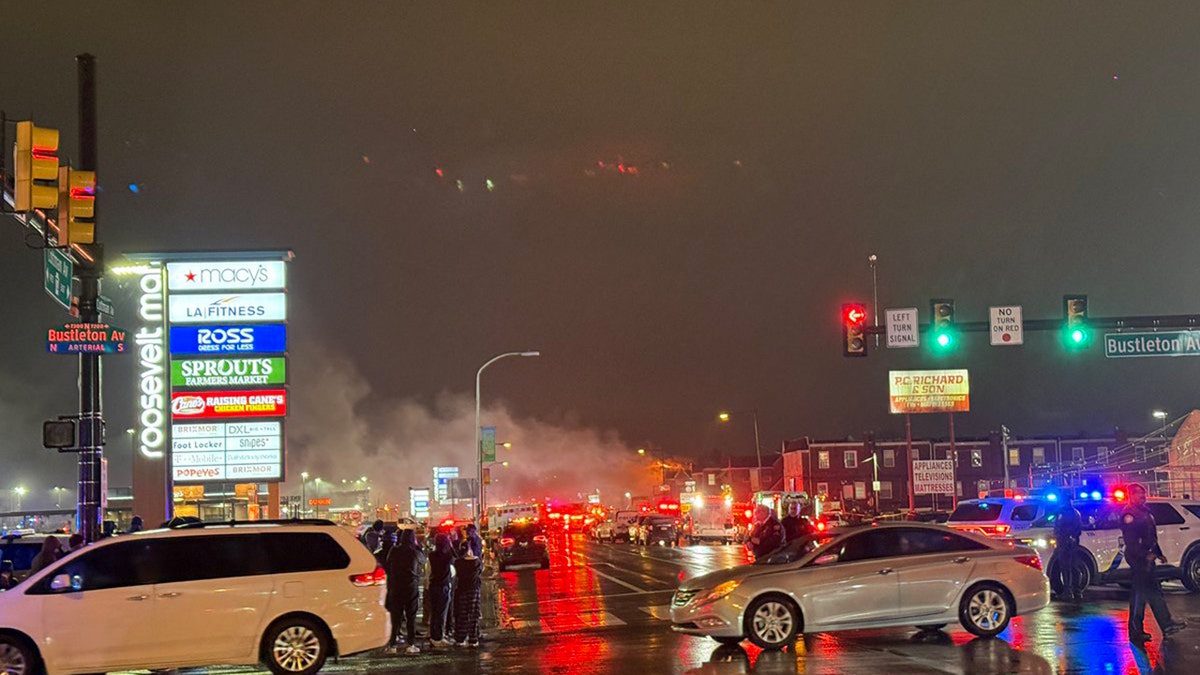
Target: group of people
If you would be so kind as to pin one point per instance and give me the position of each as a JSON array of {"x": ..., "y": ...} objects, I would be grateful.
[
  {"x": 1142, "y": 553},
  {"x": 770, "y": 533},
  {"x": 455, "y": 575}
]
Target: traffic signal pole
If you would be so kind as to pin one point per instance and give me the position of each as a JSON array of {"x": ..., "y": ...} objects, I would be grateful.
[{"x": 91, "y": 420}]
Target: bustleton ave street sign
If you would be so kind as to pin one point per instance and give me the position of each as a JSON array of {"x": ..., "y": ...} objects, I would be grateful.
[{"x": 1160, "y": 343}]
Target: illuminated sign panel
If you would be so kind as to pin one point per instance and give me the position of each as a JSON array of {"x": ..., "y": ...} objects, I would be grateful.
[
  {"x": 228, "y": 372},
  {"x": 150, "y": 345},
  {"x": 201, "y": 340},
  {"x": 226, "y": 307},
  {"x": 929, "y": 391},
  {"x": 227, "y": 451},
  {"x": 266, "y": 275},
  {"x": 228, "y": 404},
  {"x": 85, "y": 338}
]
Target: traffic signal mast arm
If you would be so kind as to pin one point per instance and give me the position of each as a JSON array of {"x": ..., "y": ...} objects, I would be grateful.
[{"x": 1186, "y": 321}]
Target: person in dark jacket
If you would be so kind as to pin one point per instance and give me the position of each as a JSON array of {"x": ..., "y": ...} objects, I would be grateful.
[
  {"x": 51, "y": 551},
  {"x": 1142, "y": 552},
  {"x": 469, "y": 570},
  {"x": 441, "y": 560},
  {"x": 1068, "y": 528},
  {"x": 768, "y": 532},
  {"x": 404, "y": 565},
  {"x": 373, "y": 539}
]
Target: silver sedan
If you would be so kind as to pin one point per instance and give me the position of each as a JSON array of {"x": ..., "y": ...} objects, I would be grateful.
[{"x": 878, "y": 576}]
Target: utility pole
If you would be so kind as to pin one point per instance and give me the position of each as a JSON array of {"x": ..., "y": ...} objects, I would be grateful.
[
  {"x": 91, "y": 418},
  {"x": 1004, "y": 449}
]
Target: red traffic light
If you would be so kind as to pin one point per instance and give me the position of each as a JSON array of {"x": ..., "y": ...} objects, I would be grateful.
[{"x": 855, "y": 314}]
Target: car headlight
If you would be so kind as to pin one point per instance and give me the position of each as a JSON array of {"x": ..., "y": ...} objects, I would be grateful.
[{"x": 720, "y": 591}]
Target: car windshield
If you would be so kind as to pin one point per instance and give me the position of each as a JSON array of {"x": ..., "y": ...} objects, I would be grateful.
[
  {"x": 794, "y": 550},
  {"x": 661, "y": 522},
  {"x": 972, "y": 512},
  {"x": 522, "y": 530}
]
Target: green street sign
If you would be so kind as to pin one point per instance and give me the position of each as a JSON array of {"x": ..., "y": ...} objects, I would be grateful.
[
  {"x": 487, "y": 443},
  {"x": 57, "y": 277},
  {"x": 104, "y": 305},
  {"x": 228, "y": 372},
  {"x": 1160, "y": 343}
]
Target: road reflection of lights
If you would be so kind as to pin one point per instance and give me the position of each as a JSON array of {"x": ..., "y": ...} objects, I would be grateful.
[{"x": 575, "y": 653}]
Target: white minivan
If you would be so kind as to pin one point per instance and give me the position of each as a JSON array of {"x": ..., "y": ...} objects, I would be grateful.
[{"x": 287, "y": 594}]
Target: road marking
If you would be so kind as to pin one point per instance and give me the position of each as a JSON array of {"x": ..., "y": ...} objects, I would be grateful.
[
  {"x": 618, "y": 581},
  {"x": 562, "y": 623},
  {"x": 577, "y": 598}
]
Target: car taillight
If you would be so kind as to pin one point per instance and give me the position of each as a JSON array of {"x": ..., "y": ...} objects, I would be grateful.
[
  {"x": 507, "y": 541},
  {"x": 539, "y": 539},
  {"x": 821, "y": 526},
  {"x": 1002, "y": 529},
  {"x": 1033, "y": 561},
  {"x": 376, "y": 578}
]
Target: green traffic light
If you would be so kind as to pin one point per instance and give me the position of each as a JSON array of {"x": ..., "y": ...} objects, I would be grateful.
[
  {"x": 1078, "y": 336},
  {"x": 943, "y": 340}
]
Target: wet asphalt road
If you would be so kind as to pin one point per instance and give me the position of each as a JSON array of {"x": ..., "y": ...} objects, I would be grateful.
[{"x": 601, "y": 608}]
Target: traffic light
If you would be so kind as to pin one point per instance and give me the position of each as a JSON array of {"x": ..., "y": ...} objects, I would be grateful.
[
  {"x": 1076, "y": 333},
  {"x": 76, "y": 206},
  {"x": 854, "y": 338},
  {"x": 35, "y": 163},
  {"x": 942, "y": 323}
]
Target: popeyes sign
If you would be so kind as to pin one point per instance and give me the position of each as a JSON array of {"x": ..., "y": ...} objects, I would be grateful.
[
  {"x": 929, "y": 391},
  {"x": 228, "y": 404}
]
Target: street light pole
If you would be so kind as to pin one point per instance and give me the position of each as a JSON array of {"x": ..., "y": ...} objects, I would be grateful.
[
  {"x": 303, "y": 492},
  {"x": 874, "y": 294},
  {"x": 726, "y": 416},
  {"x": 479, "y": 505}
]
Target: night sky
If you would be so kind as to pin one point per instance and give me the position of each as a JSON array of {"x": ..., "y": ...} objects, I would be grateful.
[{"x": 670, "y": 201}]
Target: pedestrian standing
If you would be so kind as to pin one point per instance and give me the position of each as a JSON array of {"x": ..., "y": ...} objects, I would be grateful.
[
  {"x": 373, "y": 539},
  {"x": 136, "y": 525},
  {"x": 469, "y": 569},
  {"x": 404, "y": 565},
  {"x": 74, "y": 543},
  {"x": 768, "y": 532},
  {"x": 1142, "y": 552},
  {"x": 1068, "y": 528},
  {"x": 441, "y": 562},
  {"x": 51, "y": 550}
]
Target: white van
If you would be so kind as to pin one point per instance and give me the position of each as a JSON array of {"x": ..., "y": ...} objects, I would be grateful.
[{"x": 286, "y": 594}]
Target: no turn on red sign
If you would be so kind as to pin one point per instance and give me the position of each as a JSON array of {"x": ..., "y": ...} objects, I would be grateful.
[{"x": 1006, "y": 326}]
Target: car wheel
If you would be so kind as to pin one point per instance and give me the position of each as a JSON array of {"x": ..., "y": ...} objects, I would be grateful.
[
  {"x": 295, "y": 646},
  {"x": 930, "y": 627},
  {"x": 985, "y": 610},
  {"x": 772, "y": 622},
  {"x": 728, "y": 641},
  {"x": 1191, "y": 571},
  {"x": 16, "y": 657}
]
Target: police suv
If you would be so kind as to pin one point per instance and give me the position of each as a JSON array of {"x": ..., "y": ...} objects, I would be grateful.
[{"x": 1103, "y": 548}]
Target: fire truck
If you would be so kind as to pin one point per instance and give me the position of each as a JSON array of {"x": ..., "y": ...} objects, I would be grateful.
[{"x": 710, "y": 518}]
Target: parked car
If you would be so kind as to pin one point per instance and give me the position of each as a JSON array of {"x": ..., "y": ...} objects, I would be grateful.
[
  {"x": 523, "y": 543},
  {"x": 661, "y": 530},
  {"x": 17, "y": 552},
  {"x": 875, "y": 576},
  {"x": 997, "y": 516},
  {"x": 287, "y": 594}
]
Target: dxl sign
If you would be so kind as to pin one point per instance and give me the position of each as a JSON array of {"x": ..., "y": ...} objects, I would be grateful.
[
  {"x": 933, "y": 477},
  {"x": 266, "y": 275}
]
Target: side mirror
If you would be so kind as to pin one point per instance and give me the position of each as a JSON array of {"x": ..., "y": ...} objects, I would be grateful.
[
  {"x": 827, "y": 559},
  {"x": 65, "y": 582}
]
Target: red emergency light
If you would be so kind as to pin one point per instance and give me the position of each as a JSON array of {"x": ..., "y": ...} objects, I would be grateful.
[{"x": 1119, "y": 494}]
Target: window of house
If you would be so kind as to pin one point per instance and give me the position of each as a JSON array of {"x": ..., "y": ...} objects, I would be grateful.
[
  {"x": 1039, "y": 455},
  {"x": 1014, "y": 457},
  {"x": 889, "y": 458},
  {"x": 823, "y": 459},
  {"x": 1077, "y": 453},
  {"x": 885, "y": 489},
  {"x": 976, "y": 457},
  {"x": 712, "y": 479},
  {"x": 823, "y": 488},
  {"x": 1139, "y": 453},
  {"x": 860, "y": 490},
  {"x": 847, "y": 491},
  {"x": 1102, "y": 455},
  {"x": 850, "y": 457}
]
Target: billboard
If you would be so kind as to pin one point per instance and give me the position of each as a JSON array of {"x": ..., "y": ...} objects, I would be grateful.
[
  {"x": 263, "y": 275},
  {"x": 928, "y": 391},
  {"x": 933, "y": 477},
  {"x": 228, "y": 404},
  {"x": 215, "y": 451},
  {"x": 228, "y": 372},
  {"x": 222, "y": 339},
  {"x": 218, "y": 307}
]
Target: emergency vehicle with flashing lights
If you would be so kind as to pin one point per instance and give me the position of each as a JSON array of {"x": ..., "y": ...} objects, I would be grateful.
[
  {"x": 998, "y": 516},
  {"x": 710, "y": 518},
  {"x": 1103, "y": 562}
]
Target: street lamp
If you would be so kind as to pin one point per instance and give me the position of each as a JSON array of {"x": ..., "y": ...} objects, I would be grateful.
[
  {"x": 874, "y": 460},
  {"x": 303, "y": 492},
  {"x": 479, "y": 505},
  {"x": 725, "y": 416},
  {"x": 1160, "y": 415},
  {"x": 19, "y": 492},
  {"x": 317, "y": 487},
  {"x": 58, "y": 492}
]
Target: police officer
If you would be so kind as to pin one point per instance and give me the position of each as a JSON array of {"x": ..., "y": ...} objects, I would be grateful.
[
  {"x": 1142, "y": 552},
  {"x": 1068, "y": 528}
]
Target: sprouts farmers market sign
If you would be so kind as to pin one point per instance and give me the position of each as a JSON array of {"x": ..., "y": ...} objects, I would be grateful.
[
  {"x": 928, "y": 391},
  {"x": 228, "y": 372},
  {"x": 1161, "y": 343}
]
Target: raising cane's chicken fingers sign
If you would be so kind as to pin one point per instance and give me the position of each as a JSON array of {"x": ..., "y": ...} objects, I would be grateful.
[{"x": 228, "y": 404}]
